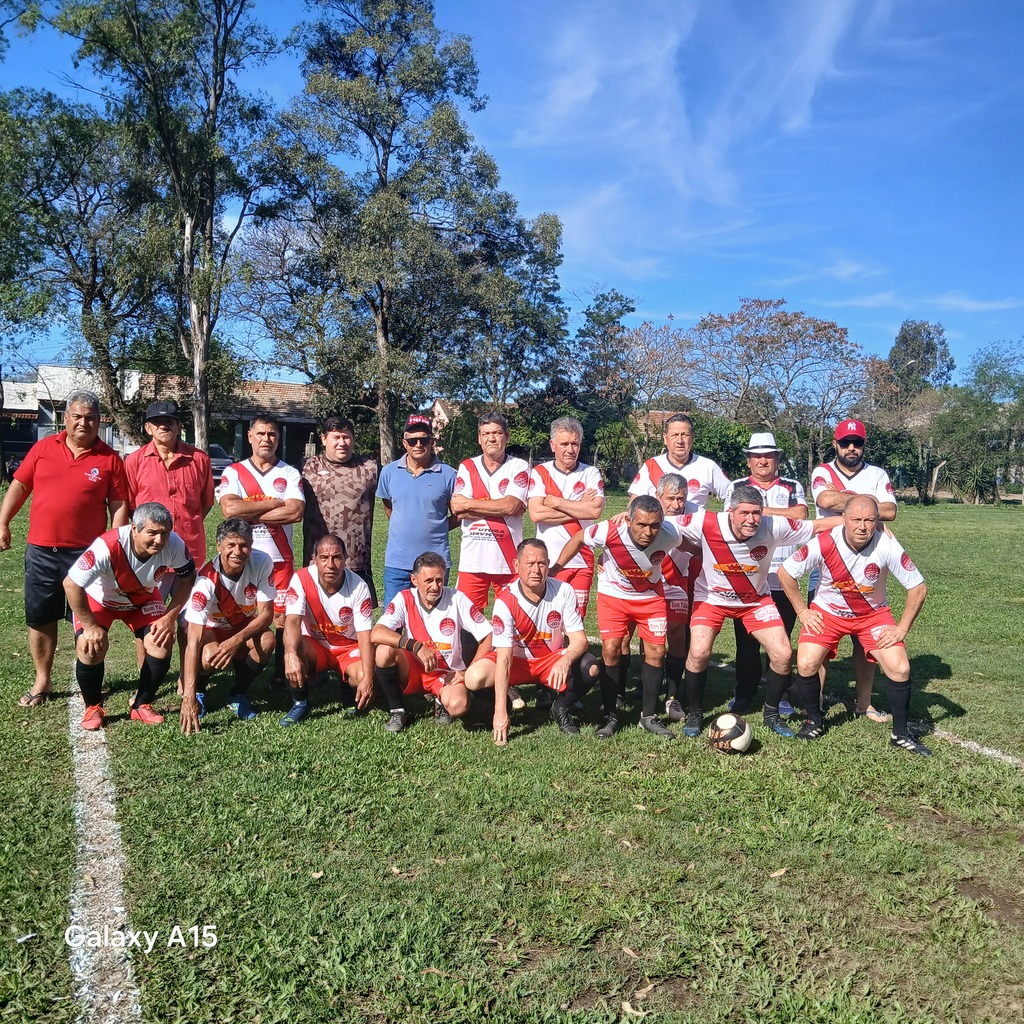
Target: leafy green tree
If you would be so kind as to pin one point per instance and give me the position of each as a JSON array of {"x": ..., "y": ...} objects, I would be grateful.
[{"x": 920, "y": 358}]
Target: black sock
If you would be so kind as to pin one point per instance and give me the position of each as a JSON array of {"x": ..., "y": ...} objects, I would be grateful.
[
  {"x": 279, "y": 655},
  {"x": 151, "y": 675},
  {"x": 674, "y": 667},
  {"x": 899, "y": 705},
  {"x": 579, "y": 686},
  {"x": 808, "y": 689},
  {"x": 387, "y": 680},
  {"x": 246, "y": 671},
  {"x": 90, "y": 682},
  {"x": 695, "y": 684},
  {"x": 650, "y": 680},
  {"x": 775, "y": 686},
  {"x": 609, "y": 687},
  {"x": 622, "y": 673},
  {"x": 299, "y": 693},
  {"x": 201, "y": 682}
]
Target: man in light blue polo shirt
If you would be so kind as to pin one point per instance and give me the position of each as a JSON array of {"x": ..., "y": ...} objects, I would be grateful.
[{"x": 415, "y": 491}]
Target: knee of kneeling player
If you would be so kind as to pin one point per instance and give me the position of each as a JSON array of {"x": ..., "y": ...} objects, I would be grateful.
[
  {"x": 385, "y": 657},
  {"x": 455, "y": 700}
]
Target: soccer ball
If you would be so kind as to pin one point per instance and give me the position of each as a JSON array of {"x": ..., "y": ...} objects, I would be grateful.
[{"x": 730, "y": 734}]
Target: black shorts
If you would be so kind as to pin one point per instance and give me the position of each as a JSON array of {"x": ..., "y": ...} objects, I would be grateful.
[
  {"x": 45, "y": 569},
  {"x": 367, "y": 577}
]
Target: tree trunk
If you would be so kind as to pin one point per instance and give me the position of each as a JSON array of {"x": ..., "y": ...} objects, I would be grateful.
[{"x": 387, "y": 401}]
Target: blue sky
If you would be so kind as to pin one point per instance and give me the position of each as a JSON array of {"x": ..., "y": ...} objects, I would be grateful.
[{"x": 859, "y": 158}]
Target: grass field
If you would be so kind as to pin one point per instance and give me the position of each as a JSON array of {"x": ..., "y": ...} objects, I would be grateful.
[{"x": 355, "y": 876}]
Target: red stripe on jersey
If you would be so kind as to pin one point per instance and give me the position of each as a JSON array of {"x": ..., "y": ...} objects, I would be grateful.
[
  {"x": 499, "y": 528},
  {"x": 572, "y": 527},
  {"x": 253, "y": 490},
  {"x": 526, "y": 627},
  {"x": 127, "y": 582},
  {"x": 624, "y": 557},
  {"x": 842, "y": 578},
  {"x": 724, "y": 557},
  {"x": 840, "y": 485},
  {"x": 654, "y": 471},
  {"x": 333, "y": 633},
  {"x": 413, "y": 619},
  {"x": 225, "y": 599}
]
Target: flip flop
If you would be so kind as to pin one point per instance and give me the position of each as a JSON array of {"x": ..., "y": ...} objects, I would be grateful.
[
  {"x": 32, "y": 700},
  {"x": 872, "y": 714}
]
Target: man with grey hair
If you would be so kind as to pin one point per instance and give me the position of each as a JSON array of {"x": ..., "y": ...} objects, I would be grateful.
[
  {"x": 76, "y": 482},
  {"x": 118, "y": 578},
  {"x": 736, "y": 548}
]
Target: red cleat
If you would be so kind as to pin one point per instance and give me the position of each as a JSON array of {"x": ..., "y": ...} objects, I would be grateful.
[
  {"x": 145, "y": 713},
  {"x": 93, "y": 717}
]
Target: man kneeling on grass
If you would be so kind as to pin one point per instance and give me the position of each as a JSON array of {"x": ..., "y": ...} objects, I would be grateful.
[
  {"x": 538, "y": 638},
  {"x": 328, "y": 618},
  {"x": 228, "y": 616},
  {"x": 855, "y": 561},
  {"x": 118, "y": 578},
  {"x": 419, "y": 644}
]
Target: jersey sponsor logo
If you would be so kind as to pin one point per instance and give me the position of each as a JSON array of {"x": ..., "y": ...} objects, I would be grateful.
[
  {"x": 503, "y": 485},
  {"x": 632, "y": 572},
  {"x": 93, "y": 475},
  {"x": 658, "y": 557},
  {"x": 693, "y": 486},
  {"x": 251, "y": 593},
  {"x": 344, "y": 615},
  {"x": 871, "y": 572},
  {"x": 198, "y": 601},
  {"x": 497, "y": 626},
  {"x": 87, "y": 561},
  {"x": 522, "y": 478},
  {"x": 851, "y": 586},
  {"x": 460, "y": 485},
  {"x": 759, "y": 552},
  {"x": 478, "y": 616},
  {"x": 578, "y": 488},
  {"x": 366, "y": 608},
  {"x": 726, "y": 567},
  {"x": 291, "y": 595},
  {"x": 801, "y": 554},
  {"x": 907, "y": 564},
  {"x": 554, "y": 620},
  {"x": 280, "y": 484},
  {"x": 767, "y": 613},
  {"x": 658, "y": 626},
  {"x": 447, "y": 627}
]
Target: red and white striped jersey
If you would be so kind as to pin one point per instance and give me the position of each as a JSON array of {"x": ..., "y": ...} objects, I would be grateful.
[
  {"x": 489, "y": 542},
  {"x": 626, "y": 570},
  {"x": 534, "y": 630}
]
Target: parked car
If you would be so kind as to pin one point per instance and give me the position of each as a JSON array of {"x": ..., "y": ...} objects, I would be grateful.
[{"x": 219, "y": 461}]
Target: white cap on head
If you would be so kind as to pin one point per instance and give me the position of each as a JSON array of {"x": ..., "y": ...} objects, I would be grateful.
[{"x": 762, "y": 444}]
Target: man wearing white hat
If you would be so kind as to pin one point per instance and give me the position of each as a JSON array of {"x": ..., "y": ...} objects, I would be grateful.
[{"x": 782, "y": 497}]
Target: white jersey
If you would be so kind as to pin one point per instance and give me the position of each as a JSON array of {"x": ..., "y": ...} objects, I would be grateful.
[
  {"x": 96, "y": 574},
  {"x": 782, "y": 492},
  {"x": 345, "y": 613},
  {"x": 868, "y": 479},
  {"x": 628, "y": 571},
  {"x": 861, "y": 584},
  {"x": 252, "y": 586},
  {"x": 734, "y": 573},
  {"x": 280, "y": 481},
  {"x": 547, "y": 478},
  {"x": 703, "y": 477},
  {"x": 489, "y": 545},
  {"x": 534, "y": 630},
  {"x": 440, "y": 627}
]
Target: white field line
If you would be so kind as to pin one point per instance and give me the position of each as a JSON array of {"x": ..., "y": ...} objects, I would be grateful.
[
  {"x": 942, "y": 734},
  {"x": 104, "y": 980}
]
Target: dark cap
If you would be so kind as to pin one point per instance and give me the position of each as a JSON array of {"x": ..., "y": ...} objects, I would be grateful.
[
  {"x": 417, "y": 424},
  {"x": 160, "y": 410}
]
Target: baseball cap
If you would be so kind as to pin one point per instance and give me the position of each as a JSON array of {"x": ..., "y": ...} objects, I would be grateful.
[
  {"x": 850, "y": 428},
  {"x": 157, "y": 410},
  {"x": 417, "y": 424},
  {"x": 762, "y": 443}
]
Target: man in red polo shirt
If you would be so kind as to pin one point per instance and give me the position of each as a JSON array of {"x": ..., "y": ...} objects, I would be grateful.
[{"x": 76, "y": 481}]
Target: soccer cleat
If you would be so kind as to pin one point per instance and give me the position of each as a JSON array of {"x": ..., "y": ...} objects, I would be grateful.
[
  {"x": 296, "y": 714},
  {"x": 562, "y": 717},
  {"x": 397, "y": 721},
  {"x": 740, "y": 706},
  {"x": 773, "y": 720},
  {"x": 241, "y": 706},
  {"x": 201, "y": 701},
  {"x": 810, "y": 731},
  {"x": 441, "y": 715},
  {"x": 694, "y": 724},
  {"x": 93, "y": 717},
  {"x": 608, "y": 728},
  {"x": 910, "y": 744},
  {"x": 786, "y": 709},
  {"x": 674, "y": 710},
  {"x": 516, "y": 698},
  {"x": 145, "y": 713},
  {"x": 655, "y": 728}
]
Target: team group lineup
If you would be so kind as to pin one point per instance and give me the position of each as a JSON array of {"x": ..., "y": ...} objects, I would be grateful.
[{"x": 667, "y": 570}]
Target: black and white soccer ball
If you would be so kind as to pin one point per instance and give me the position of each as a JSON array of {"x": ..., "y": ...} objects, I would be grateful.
[{"x": 730, "y": 734}]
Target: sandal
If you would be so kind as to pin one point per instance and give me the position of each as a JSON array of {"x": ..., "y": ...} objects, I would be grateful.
[
  {"x": 872, "y": 714},
  {"x": 32, "y": 700}
]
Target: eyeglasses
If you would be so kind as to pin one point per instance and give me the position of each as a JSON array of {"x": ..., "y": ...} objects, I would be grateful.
[
  {"x": 417, "y": 442},
  {"x": 851, "y": 442}
]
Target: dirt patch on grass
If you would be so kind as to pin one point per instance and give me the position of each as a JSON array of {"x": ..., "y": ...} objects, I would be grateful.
[{"x": 1003, "y": 906}]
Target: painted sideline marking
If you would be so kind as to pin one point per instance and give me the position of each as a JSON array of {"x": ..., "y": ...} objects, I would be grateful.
[{"x": 104, "y": 980}]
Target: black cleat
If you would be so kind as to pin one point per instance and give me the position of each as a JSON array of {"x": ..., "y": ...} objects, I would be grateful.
[
  {"x": 653, "y": 726},
  {"x": 609, "y": 727},
  {"x": 774, "y": 721},
  {"x": 910, "y": 744},
  {"x": 694, "y": 724},
  {"x": 441, "y": 716},
  {"x": 810, "y": 731},
  {"x": 397, "y": 721},
  {"x": 564, "y": 720}
]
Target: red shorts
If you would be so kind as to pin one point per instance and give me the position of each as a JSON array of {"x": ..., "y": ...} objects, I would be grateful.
[
  {"x": 581, "y": 581},
  {"x": 760, "y": 616},
  {"x": 281, "y": 576},
  {"x": 616, "y": 614},
  {"x": 677, "y": 603},
  {"x": 422, "y": 681},
  {"x": 477, "y": 586},
  {"x": 532, "y": 670},
  {"x": 865, "y": 628},
  {"x": 338, "y": 659},
  {"x": 134, "y": 618}
]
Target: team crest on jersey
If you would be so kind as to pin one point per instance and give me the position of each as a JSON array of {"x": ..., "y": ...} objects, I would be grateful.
[
  {"x": 554, "y": 620},
  {"x": 163, "y": 570},
  {"x": 593, "y": 531},
  {"x": 503, "y": 486},
  {"x": 819, "y": 481},
  {"x": 758, "y": 553},
  {"x": 344, "y": 615},
  {"x": 801, "y": 555},
  {"x": 87, "y": 561},
  {"x": 280, "y": 484},
  {"x": 578, "y": 488},
  {"x": 871, "y": 572},
  {"x": 793, "y": 525},
  {"x": 693, "y": 486},
  {"x": 478, "y": 616},
  {"x": 93, "y": 475},
  {"x": 522, "y": 478},
  {"x": 447, "y": 627},
  {"x": 460, "y": 485},
  {"x": 600, "y": 487},
  {"x": 198, "y": 601},
  {"x": 497, "y": 626},
  {"x": 907, "y": 564},
  {"x": 390, "y": 610},
  {"x": 366, "y": 608},
  {"x": 291, "y": 596},
  {"x": 658, "y": 557},
  {"x": 889, "y": 488},
  {"x": 251, "y": 593}
]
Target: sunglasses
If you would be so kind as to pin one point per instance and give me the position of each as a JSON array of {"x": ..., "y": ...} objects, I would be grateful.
[
  {"x": 417, "y": 442},
  {"x": 851, "y": 442}
]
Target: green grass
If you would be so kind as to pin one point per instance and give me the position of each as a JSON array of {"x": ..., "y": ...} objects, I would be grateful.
[{"x": 356, "y": 876}]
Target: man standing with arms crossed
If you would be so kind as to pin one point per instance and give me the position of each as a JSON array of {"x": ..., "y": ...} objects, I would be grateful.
[
  {"x": 703, "y": 476},
  {"x": 832, "y": 485}
]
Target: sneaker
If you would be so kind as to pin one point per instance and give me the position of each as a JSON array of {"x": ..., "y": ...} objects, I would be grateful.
[
  {"x": 810, "y": 731},
  {"x": 298, "y": 712},
  {"x": 609, "y": 727},
  {"x": 441, "y": 716},
  {"x": 397, "y": 721},
  {"x": 674, "y": 710},
  {"x": 786, "y": 709},
  {"x": 201, "y": 701},
  {"x": 145, "y": 713},
  {"x": 563, "y": 719},
  {"x": 653, "y": 726},
  {"x": 910, "y": 744},
  {"x": 241, "y": 706},
  {"x": 93, "y": 717},
  {"x": 773, "y": 720},
  {"x": 694, "y": 725},
  {"x": 516, "y": 698}
]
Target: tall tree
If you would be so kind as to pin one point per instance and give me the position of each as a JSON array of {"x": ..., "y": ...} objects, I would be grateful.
[
  {"x": 171, "y": 70},
  {"x": 920, "y": 358}
]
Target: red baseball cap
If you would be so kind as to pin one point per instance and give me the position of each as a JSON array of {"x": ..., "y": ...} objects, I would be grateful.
[
  {"x": 418, "y": 425},
  {"x": 851, "y": 428}
]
